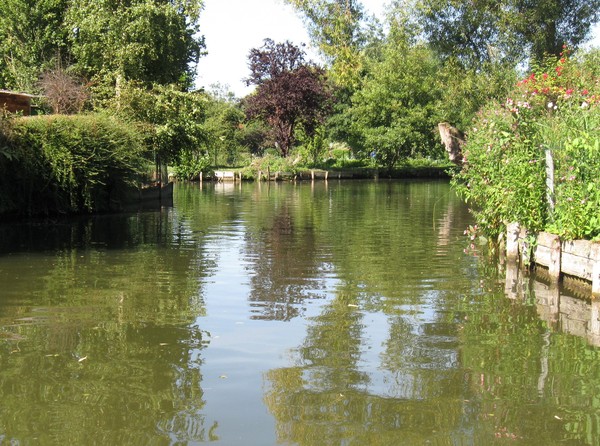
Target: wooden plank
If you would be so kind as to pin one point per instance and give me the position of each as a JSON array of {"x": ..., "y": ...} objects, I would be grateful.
[
  {"x": 222, "y": 175},
  {"x": 577, "y": 266},
  {"x": 543, "y": 255},
  {"x": 579, "y": 248},
  {"x": 595, "y": 258},
  {"x": 548, "y": 253}
]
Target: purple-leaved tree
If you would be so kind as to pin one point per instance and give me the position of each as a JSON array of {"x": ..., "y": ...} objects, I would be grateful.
[{"x": 289, "y": 92}]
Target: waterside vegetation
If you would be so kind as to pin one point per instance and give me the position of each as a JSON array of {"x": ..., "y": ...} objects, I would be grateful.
[
  {"x": 534, "y": 158},
  {"x": 124, "y": 73}
]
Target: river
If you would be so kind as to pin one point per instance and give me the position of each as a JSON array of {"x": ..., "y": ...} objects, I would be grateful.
[{"x": 327, "y": 313}]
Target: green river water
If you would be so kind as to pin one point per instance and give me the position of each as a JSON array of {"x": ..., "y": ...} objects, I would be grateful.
[{"x": 339, "y": 313}]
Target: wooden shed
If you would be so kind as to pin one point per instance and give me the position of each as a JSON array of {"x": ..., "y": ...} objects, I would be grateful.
[{"x": 15, "y": 102}]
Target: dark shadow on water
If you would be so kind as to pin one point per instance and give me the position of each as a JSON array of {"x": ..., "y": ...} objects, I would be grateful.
[{"x": 144, "y": 223}]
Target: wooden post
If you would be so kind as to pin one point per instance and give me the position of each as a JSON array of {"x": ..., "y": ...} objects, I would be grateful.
[
  {"x": 550, "y": 181},
  {"x": 525, "y": 248},
  {"x": 548, "y": 253},
  {"x": 312, "y": 175},
  {"x": 200, "y": 177},
  {"x": 512, "y": 241},
  {"x": 268, "y": 173},
  {"x": 326, "y": 174},
  {"x": 595, "y": 256}
]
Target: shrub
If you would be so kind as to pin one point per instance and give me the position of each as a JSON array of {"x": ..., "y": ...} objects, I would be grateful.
[
  {"x": 556, "y": 108},
  {"x": 190, "y": 164},
  {"x": 67, "y": 164}
]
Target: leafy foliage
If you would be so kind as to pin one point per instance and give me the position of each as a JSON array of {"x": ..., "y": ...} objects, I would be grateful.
[
  {"x": 336, "y": 27},
  {"x": 65, "y": 164},
  {"x": 223, "y": 129},
  {"x": 170, "y": 118},
  {"x": 555, "y": 108},
  {"x": 487, "y": 31},
  {"x": 32, "y": 39},
  {"x": 289, "y": 92},
  {"x": 141, "y": 40},
  {"x": 393, "y": 116}
]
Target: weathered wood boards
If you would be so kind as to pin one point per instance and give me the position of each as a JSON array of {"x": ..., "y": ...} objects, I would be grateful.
[
  {"x": 15, "y": 102},
  {"x": 577, "y": 258}
]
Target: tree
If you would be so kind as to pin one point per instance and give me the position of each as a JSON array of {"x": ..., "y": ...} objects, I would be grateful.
[
  {"x": 170, "y": 119},
  {"x": 336, "y": 28},
  {"x": 547, "y": 25},
  {"x": 395, "y": 113},
  {"x": 152, "y": 41},
  {"x": 32, "y": 39},
  {"x": 289, "y": 92},
  {"x": 222, "y": 127},
  {"x": 483, "y": 31},
  {"x": 66, "y": 93}
]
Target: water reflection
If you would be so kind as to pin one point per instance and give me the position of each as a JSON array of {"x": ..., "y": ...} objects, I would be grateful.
[
  {"x": 325, "y": 313},
  {"x": 569, "y": 310},
  {"x": 99, "y": 335}
]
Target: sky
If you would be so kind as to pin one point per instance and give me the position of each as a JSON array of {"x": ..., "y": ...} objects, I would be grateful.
[{"x": 233, "y": 27}]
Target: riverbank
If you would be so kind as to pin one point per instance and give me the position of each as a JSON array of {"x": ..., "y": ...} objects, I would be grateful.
[{"x": 306, "y": 174}]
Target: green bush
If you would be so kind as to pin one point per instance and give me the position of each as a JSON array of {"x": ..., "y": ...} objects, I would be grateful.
[
  {"x": 67, "y": 164},
  {"x": 577, "y": 173},
  {"x": 269, "y": 162},
  {"x": 190, "y": 164},
  {"x": 556, "y": 109}
]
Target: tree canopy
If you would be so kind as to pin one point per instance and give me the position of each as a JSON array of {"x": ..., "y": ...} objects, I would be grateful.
[
  {"x": 32, "y": 39},
  {"x": 290, "y": 92},
  {"x": 142, "y": 40},
  {"x": 483, "y": 31},
  {"x": 336, "y": 28},
  {"x": 153, "y": 41}
]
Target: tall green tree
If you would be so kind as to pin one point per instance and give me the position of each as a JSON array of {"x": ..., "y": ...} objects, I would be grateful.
[
  {"x": 222, "y": 126},
  {"x": 32, "y": 39},
  {"x": 482, "y": 31},
  {"x": 153, "y": 41},
  {"x": 547, "y": 25},
  {"x": 395, "y": 113},
  {"x": 336, "y": 28},
  {"x": 170, "y": 119}
]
